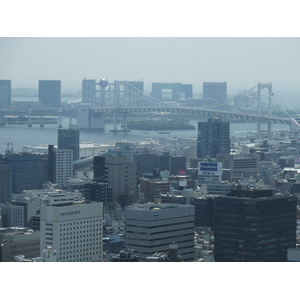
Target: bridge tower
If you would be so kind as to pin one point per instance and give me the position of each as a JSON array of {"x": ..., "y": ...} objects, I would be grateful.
[{"x": 261, "y": 86}]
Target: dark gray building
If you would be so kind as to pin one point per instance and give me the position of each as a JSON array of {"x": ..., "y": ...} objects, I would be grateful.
[
  {"x": 50, "y": 93},
  {"x": 213, "y": 138},
  {"x": 5, "y": 93},
  {"x": 27, "y": 171},
  {"x": 254, "y": 226},
  {"x": 69, "y": 139},
  {"x": 99, "y": 192},
  {"x": 5, "y": 183}
]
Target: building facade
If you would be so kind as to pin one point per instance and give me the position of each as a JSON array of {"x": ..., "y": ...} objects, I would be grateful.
[
  {"x": 69, "y": 139},
  {"x": 117, "y": 172},
  {"x": 151, "y": 228},
  {"x": 5, "y": 183},
  {"x": 50, "y": 93},
  {"x": 18, "y": 241},
  {"x": 213, "y": 138},
  {"x": 60, "y": 165},
  {"x": 73, "y": 229},
  {"x": 215, "y": 90},
  {"x": 26, "y": 171},
  {"x": 5, "y": 93},
  {"x": 253, "y": 228},
  {"x": 88, "y": 91}
]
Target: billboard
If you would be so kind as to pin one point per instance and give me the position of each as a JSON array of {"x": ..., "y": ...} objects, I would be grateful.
[{"x": 210, "y": 168}]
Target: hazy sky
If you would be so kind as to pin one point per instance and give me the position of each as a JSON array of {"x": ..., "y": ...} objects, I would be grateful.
[{"x": 241, "y": 62}]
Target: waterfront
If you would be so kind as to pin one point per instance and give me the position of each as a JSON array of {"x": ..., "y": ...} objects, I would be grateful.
[{"x": 21, "y": 135}]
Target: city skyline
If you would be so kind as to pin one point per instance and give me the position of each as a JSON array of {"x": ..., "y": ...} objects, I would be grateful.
[{"x": 241, "y": 62}]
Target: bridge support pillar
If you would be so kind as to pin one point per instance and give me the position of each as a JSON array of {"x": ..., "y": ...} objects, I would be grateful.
[
  {"x": 125, "y": 123},
  {"x": 42, "y": 121},
  {"x": 269, "y": 128},
  {"x": 60, "y": 119},
  {"x": 260, "y": 86},
  {"x": 29, "y": 119}
]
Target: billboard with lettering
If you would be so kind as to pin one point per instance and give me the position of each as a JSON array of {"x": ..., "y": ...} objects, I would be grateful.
[{"x": 210, "y": 168}]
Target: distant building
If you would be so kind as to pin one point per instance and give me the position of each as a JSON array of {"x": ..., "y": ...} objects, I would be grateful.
[
  {"x": 27, "y": 171},
  {"x": 69, "y": 139},
  {"x": 153, "y": 187},
  {"x": 88, "y": 91},
  {"x": 12, "y": 215},
  {"x": 98, "y": 192},
  {"x": 117, "y": 172},
  {"x": 215, "y": 90},
  {"x": 5, "y": 183},
  {"x": 60, "y": 165},
  {"x": 179, "y": 91},
  {"x": 146, "y": 162},
  {"x": 50, "y": 93},
  {"x": 252, "y": 226},
  {"x": 178, "y": 165},
  {"x": 73, "y": 228},
  {"x": 18, "y": 241},
  {"x": 240, "y": 165},
  {"x": 151, "y": 228},
  {"x": 213, "y": 138},
  {"x": 5, "y": 93},
  {"x": 204, "y": 212}
]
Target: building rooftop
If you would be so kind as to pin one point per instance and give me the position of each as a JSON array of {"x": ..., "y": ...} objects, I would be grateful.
[{"x": 155, "y": 206}]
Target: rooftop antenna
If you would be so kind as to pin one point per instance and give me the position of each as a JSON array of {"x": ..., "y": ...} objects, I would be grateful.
[{"x": 12, "y": 149}]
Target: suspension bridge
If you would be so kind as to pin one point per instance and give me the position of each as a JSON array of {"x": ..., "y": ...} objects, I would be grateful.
[{"x": 128, "y": 99}]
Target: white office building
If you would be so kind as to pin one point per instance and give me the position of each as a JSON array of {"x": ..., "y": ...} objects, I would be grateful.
[
  {"x": 151, "y": 228},
  {"x": 72, "y": 228}
]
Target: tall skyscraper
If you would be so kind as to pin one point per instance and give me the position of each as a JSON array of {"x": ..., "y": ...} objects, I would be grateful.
[
  {"x": 254, "y": 226},
  {"x": 5, "y": 93},
  {"x": 50, "y": 93},
  {"x": 60, "y": 165},
  {"x": 5, "y": 184},
  {"x": 117, "y": 172},
  {"x": 213, "y": 138},
  {"x": 153, "y": 227},
  {"x": 69, "y": 139}
]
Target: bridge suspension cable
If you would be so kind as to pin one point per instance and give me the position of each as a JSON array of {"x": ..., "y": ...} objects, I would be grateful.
[
  {"x": 144, "y": 96},
  {"x": 285, "y": 103}
]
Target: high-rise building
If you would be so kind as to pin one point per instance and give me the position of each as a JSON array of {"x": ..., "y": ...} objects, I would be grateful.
[
  {"x": 50, "y": 93},
  {"x": 177, "y": 165},
  {"x": 73, "y": 228},
  {"x": 151, "y": 228},
  {"x": 60, "y": 165},
  {"x": 69, "y": 139},
  {"x": 27, "y": 171},
  {"x": 5, "y": 93},
  {"x": 117, "y": 172},
  {"x": 5, "y": 183},
  {"x": 215, "y": 90},
  {"x": 254, "y": 226},
  {"x": 146, "y": 162},
  {"x": 213, "y": 138},
  {"x": 88, "y": 91}
]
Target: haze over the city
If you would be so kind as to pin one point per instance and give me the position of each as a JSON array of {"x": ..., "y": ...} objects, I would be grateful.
[{"x": 241, "y": 62}]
